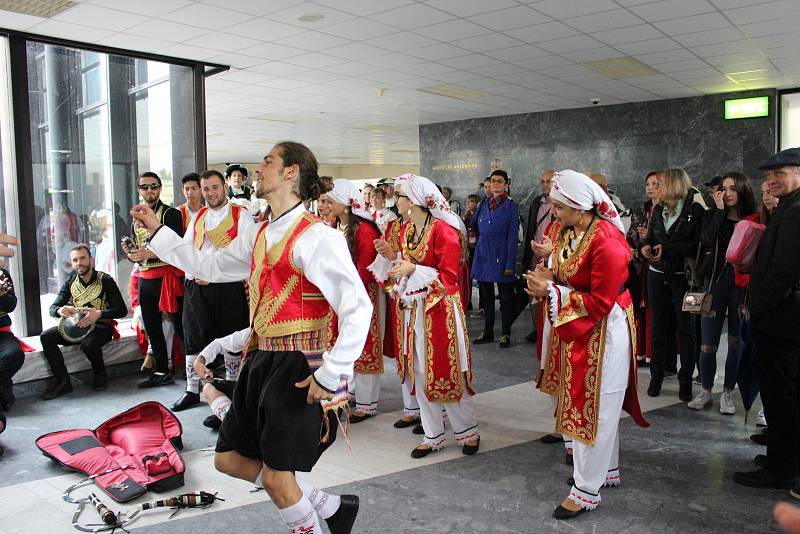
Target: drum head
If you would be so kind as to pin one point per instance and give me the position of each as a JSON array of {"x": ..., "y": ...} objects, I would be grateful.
[{"x": 69, "y": 329}]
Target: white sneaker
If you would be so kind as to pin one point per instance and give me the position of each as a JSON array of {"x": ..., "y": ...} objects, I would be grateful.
[
  {"x": 726, "y": 405},
  {"x": 761, "y": 421},
  {"x": 702, "y": 400}
]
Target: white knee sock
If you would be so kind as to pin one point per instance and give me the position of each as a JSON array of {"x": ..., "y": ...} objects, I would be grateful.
[
  {"x": 233, "y": 363},
  {"x": 324, "y": 503},
  {"x": 301, "y": 518},
  {"x": 192, "y": 380},
  {"x": 220, "y": 407}
]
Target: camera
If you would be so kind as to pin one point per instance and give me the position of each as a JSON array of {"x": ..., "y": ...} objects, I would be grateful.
[
  {"x": 129, "y": 244},
  {"x": 595, "y": 101}
]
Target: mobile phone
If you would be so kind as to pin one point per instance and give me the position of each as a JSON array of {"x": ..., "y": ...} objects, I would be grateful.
[{"x": 129, "y": 244}]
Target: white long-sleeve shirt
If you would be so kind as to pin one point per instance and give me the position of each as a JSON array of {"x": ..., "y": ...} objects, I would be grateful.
[
  {"x": 320, "y": 252},
  {"x": 231, "y": 344},
  {"x": 213, "y": 219}
]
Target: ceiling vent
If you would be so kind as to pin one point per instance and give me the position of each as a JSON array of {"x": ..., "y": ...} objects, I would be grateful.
[
  {"x": 454, "y": 91},
  {"x": 37, "y": 8},
  {"x": 621, "y": 67}
]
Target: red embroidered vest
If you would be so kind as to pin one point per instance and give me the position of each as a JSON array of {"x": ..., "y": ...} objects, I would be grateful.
[
  {"x": 223, "y": 234},
  {"x": 283, "y": 302},
  {"x": 185, "y": 216}
]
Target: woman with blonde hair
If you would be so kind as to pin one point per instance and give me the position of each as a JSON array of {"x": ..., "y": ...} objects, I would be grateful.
[{"x": 673, "y": 237}]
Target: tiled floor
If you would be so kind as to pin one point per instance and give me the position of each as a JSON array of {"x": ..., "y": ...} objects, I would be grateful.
[{"x": 676, "y": 475}]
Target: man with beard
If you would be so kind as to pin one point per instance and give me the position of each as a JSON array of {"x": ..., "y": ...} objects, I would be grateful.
[
  {"x": 160, "y": 284},
  {"x": 211, "y": 311},
  {"x": 96, "y": 294}
]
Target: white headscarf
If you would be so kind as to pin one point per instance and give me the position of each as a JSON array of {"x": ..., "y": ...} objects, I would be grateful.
[
  {"x": 345, "y": 192},
  {"x": 423, "y": 192},
  {"x": 580, "y": 192}
]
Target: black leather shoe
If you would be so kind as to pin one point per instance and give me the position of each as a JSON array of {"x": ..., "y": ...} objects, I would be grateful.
[
  {"x": 7, "y": 403},
  {"x": 764, "y": 478},
  {"x": 402, "y": 423},
  {"x": 60, "y": 387},
  {"x": 356, "y": 418},
  {"x": 213, "y": 422},
  {"x": 100, "y": 381},
  {"x": 563, "y": 513},
  {"x": 187, "y": 400},
  {"x": 505, "y": 342},
  {"x": 483, "y": 338},
  {"x": 469, "y": 450},
  {"x": 794, "y": 492},
  {"x": 761, "y": 460},
  {"x": 418, "y": 430},
  {"x": 155, "y": 380},
  {"x": 760, "y": 439},
  {"x": 685, "y": 392},
  {"x": 421, "y": 452},
  {"x": 531, "y": 338},
  {"x": 654, "y": 389},
  {"x": 342, "y": 521},
  {"x": 569, "y": 460},
  {"x": 549, "y": 439}
]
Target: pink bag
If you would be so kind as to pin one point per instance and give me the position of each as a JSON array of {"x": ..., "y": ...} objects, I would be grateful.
[{"x": 744, "y": 243}]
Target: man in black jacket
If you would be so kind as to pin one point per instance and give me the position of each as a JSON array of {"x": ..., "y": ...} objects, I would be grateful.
[
  {"x": 96, "y": 294},
  {"x": 775, "y": 314}
]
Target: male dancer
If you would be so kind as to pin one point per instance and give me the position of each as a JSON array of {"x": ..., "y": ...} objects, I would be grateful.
[
  {"x": 159, "y": 282},
  {"x": 211, "y": 311},
  {"x": 194, "y": 198},
  {"x": 301, "y": 274}
]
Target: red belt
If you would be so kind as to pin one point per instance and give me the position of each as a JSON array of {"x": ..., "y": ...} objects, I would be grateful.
[
  {"x": 25, "y": 346},
  {"x": 171, "y": 286}
]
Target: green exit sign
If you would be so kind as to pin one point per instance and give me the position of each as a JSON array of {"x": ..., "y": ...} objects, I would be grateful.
[{"x": 747, "y": 108}]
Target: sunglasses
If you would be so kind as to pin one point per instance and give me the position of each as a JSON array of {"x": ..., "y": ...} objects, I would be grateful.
[
  {"x": 398, "y": 195},
  {"x": 151, "y": 187}
]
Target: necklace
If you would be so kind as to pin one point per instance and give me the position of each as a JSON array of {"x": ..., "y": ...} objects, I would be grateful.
[
  {"x": 571, "y": 236},
  {"x": 411, "y": 244}
]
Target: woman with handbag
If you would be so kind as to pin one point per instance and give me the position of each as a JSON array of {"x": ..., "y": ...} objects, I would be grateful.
[
  {"x": 671, "y": 241},
  {"x": 733, "y": 202}
]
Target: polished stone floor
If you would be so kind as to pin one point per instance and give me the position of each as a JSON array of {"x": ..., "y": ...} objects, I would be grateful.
[{"x": 676, "y": 475}]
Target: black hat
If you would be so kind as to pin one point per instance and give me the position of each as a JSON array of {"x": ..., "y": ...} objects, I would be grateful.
[
  {"x": 790, "y": 156},
  {"x": 235, "y": 167},
  {"x": 715, "y": 181}
]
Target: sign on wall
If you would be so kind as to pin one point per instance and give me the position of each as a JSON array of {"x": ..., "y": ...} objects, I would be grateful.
[{"x": 747, "y": 108}]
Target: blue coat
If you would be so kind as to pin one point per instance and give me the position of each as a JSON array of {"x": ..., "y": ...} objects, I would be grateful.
[{"x": 496, "y": 249}]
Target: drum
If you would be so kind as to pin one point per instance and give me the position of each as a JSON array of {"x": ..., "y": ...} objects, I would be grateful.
[{"x": 69, "y": 329}]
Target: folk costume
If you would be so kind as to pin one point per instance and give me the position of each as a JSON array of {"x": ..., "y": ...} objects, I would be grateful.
[
  {"x": 393, "y": 329},
  {"x": 369, "y": 365},
  {"x": 435, "y": 356},
  {"x": 99, "y": 293},
  {"x": 186, "y": 215},
  {"x": 11, "y": 348},
  {"x": 591, "y": 364},
  {"x": 231, "y": 347},
  {"x": 160, "y": 288},
  {"x": 211, "y": 310},
  {"x": 300, "y": 274}
]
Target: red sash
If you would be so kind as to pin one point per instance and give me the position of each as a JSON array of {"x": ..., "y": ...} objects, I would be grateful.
[
  {"x": 171, "y": 286},
  {"x": 25, "y": 346}
]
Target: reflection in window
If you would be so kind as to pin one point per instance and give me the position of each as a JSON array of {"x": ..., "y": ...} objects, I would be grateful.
[{"x": 98, "y": 121}]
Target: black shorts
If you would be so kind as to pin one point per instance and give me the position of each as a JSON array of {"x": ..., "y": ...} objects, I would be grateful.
[
  {"x": 270, "y": 419},
  {"x": 211, "y": 312}
]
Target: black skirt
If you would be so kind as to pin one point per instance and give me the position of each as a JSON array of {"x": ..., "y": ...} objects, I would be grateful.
[
  {"x": 270, "y": 419},
  {"x": 212, "y": 311}
]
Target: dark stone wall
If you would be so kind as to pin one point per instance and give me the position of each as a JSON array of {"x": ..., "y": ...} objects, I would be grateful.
[{"x": 623, "y": 142}]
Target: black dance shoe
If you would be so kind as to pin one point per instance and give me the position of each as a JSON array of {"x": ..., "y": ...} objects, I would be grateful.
[
  {"x": 685, "y": 392},
  {"x": 342, "y": 521},
  {"x": 60, "y": 386},
  {"x": 155, "y": 380},
  {"x": 422, "y": 452},
  {"x": 565, "y": 513},
  {"x": 418, "y": 430},
  {"x": 402, "y": 423},
  {"x": 654, "y": 389},
  {"x": 469, "y": 450},
  {"x": 760, "y": 439},
  {"x": 764, "y": 478},
  {"x": 549, "y": 439},
  {"x": 187, "y": 400},
  {"x": 356, "y": 418},
  {"x": 100, "y": 381},
  {"x": 482, "y": 339},
  {"x": 213, "y": 422}
]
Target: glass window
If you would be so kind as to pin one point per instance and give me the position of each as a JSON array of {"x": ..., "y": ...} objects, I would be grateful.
[
  {"x": 790, "y": 120},
  {"x": 97, "y": 122}
]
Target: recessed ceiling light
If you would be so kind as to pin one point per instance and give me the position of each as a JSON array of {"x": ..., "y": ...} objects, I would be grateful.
[
  {"x": 621, "y": 67},
  {"x": 311, "y": 17}
]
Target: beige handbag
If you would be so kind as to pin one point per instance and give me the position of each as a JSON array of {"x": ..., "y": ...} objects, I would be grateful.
[{"x": 699, "y": 302}]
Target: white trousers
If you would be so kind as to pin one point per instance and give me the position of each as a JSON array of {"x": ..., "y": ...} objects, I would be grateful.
[
  {"x": 461, "y": 415},
  {"x": 598, "y": 465},
  {"x": 410, "y": 403},
  {"x": 368, "y": 392}
]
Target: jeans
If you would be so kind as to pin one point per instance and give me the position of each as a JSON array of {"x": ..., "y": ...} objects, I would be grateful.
[
  {"x": 486, "y": 293},
  {"x": 665, "y": 298},
  {"x": 726, "y": 299}
]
